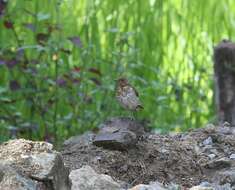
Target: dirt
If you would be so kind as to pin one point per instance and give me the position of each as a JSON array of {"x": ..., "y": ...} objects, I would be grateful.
[{"x": 185, "y": 159}]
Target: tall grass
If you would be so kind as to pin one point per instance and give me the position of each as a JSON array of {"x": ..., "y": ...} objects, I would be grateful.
[{"x": 65, "y": 75}]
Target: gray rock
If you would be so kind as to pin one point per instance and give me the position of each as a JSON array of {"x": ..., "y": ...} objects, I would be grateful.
[
  {"x": 226, "y": 186},
  {"x": 216, "y": 186},
  {"x": 85, "y": 139},
  {"x": 173, "y": 186},
  {"x": 211, "y": 156},
  {"x": 232, "y": 156},
  {"x": 10, "y": 179},
  {"x": 213, "y": 151},
  {"x": 86, "y": 178},
  {"x": 205, "y": 184},
  {"x": 224, "y": 130},
  {"x": 208, "y": 141},
  {"x": 119, "y": 134},
  {"x": 152, "y": 186},
  {"x": 219, "y": 163},
  {"x": 226, "y": 124},
  {"x": 37, "y": 161},
  {"x": 227, "y": 176},
  {"x": 116, "y": 141},
  {"x": 201, "y": 188},
  {"x": 207, "y": 148}
]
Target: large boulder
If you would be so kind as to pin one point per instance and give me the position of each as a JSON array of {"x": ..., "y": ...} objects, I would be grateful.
[
  {"x": 10, "y": 179},
  {"x": 37, "y": 161},
  {"x": 119, "y": 133},
  {"x": 152, "y": 186},
  {"x": 86, "y": 178}
]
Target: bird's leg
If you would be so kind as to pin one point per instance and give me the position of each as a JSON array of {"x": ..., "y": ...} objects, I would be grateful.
[{"x": 132, "y": 115}]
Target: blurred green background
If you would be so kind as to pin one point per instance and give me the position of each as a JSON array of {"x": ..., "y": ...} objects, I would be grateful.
[{"x": 59, "y": 59}]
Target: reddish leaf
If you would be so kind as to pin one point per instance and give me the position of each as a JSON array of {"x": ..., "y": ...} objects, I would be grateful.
[
  {"x": 51, "y": 101},
  {"x": 3, "y": 5},
  {"x": 61, "y": 82},
  {"x": 87, "y": 99},
  {"x": 72, "y": 79},
  {"x": 20, "y": 54},
  {"x": 8, "y": 24},
  {"x": 66, "y": 76},
  {"x": 76, "y": 41},
  {"x": 34, "y": 61},
  {"x": 14, "y": 85},
  {"x": 65, "y": 51},
  {"x": 76, "y": 81},
  {"x": 96, "y": 81},
  {"x": 11, "y": 63},
  {"x": 42, "y": 38},
  {"x": 2, "y": 62},
  {"x": 95, "y": 71},
  {"x": 77, "y": 69}
]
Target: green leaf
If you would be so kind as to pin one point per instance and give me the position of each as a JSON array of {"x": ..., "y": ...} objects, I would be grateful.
[
  {"x": 3, "y": 89},
  {"x": 5, "y": 99},
  {"x": 43, "y": 16}
]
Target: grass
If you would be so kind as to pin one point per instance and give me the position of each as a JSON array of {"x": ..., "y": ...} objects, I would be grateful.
[{"x": 68, "y": 53}]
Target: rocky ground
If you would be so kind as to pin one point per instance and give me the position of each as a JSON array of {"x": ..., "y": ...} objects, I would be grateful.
[
  {"x": 127, "y": 153},
  {"x": 123, "y": 155}
]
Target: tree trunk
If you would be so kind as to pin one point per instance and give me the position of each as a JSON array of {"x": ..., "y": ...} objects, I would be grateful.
[{"x": 224, "y": 68}]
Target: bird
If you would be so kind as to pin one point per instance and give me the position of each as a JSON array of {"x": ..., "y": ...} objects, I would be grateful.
[{"x": 127, "y": 95}]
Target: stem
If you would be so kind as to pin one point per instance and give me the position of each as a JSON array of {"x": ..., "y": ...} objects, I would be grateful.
[
  {"x": 56, "y": 76},
  {"x": 56, "y": 101}
]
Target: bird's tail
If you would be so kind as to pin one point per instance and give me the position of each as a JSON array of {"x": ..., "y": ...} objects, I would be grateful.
[{"x": 139, "y": 107}]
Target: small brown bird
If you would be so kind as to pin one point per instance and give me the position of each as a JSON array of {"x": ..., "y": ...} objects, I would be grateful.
[{"x": 127, "y": 95}]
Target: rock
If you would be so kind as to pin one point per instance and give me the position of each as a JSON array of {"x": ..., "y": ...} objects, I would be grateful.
[
  {"x": 86, "y": 178},
  {"x": 213, "y": 151},
  {"x": 232, "y": 156},
  {"x": 119, "y": 134},
  {"x": 73, "y": 143},
  {"x": 152, "y": 186},
  {"x": 214, "y": 186},
  {"x": 37, "y": 161},
  {"x": 226, "y": 186},
  {"x": 173, "y": 186},
  {"x": 116, "y": 141},
  {"x": 85, "y": 139},
  {"x": 227, "y": 176},
  {"x": 182, "y": 158},
  {"x": 211, "y": 156},
  {"x": 207, "y": 148},
  {"x": 224, "y": 130},
  {"x": 219, "y": 163},
  {"x": 201, "y": 188},
  {"x": 13, "y": 180},
  {"x": 207, "y": 141},
  {"x": 205, "y": 184}
]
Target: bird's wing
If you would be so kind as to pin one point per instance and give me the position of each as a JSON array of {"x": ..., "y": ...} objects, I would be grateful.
[
  {"x": 130, "y": 98},
  {"x": 136, "y": 93},
  {"x": 132, "y": 95}
]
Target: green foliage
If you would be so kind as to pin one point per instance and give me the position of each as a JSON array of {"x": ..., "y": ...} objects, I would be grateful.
[{"x": 59, "y": 59}]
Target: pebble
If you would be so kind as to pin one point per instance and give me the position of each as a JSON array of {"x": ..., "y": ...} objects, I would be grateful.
[
  {"x": 201, "y": 188},
  {"x": 211, "y": 156},
  {"x": 207, "y": 141},
  {"x": 232, "y": 156},
  {"x": 205, "y": 184}
]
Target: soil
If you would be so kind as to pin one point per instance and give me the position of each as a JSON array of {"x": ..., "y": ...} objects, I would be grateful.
[{"x": 185, "y": 159}]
